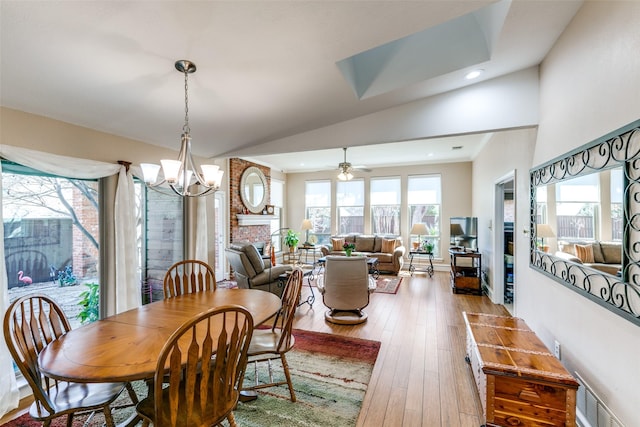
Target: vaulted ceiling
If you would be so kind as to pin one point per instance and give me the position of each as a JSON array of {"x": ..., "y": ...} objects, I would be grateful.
[{"x": 277, "y": 78}]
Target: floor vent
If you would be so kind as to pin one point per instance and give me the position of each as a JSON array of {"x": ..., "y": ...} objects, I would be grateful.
[{"x": 591, "y": 410}]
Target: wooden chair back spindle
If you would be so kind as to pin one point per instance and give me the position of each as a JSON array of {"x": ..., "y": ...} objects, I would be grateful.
[
  {"x": 200, "y": 369},
  {"x": 188, "y": 276}
]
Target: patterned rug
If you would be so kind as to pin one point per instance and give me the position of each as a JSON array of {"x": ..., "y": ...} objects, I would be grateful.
[
  {"x": 330, "y": 374},
  {"x": 388, "y": 284}
]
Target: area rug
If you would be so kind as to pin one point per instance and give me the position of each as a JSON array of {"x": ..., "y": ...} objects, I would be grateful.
[
  {"x": 330, "y": 374},
  {"x": 388, "y": 285}
]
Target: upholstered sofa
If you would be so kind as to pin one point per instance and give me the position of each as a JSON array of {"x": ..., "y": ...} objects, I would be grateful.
[
  {"x": 388, "y": 250},
  {"x": 603, "y": 256},
  {"x": 251, "y": 271}
]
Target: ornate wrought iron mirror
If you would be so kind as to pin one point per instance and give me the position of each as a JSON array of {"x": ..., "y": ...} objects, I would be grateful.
[
  {"x": 617, "y": 290},
  {"x": 253, "y": 189}
]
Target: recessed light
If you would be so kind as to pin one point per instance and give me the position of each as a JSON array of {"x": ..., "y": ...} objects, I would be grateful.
[{"x": 473, "y": 74}]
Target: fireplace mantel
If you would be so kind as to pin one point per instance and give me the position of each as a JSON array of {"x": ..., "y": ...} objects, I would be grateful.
[{"x": 244, "y": 220}]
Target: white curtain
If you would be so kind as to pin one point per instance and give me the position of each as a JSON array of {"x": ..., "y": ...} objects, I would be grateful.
[{"x": 126, "y": 259}]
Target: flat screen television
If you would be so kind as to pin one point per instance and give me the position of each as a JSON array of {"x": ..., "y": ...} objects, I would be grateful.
[{"x": 464, "y": 232}]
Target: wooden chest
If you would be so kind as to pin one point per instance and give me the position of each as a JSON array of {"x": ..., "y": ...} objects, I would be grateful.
[{"x": 519, "y": 381}]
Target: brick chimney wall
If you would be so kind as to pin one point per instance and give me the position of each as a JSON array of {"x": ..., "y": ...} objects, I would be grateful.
[{"x": 252, "y": 233}]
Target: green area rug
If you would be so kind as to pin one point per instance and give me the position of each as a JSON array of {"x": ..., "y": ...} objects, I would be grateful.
[{"x": 330, "y": 374}]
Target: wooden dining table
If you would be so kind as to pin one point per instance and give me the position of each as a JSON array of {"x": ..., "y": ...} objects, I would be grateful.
[{"x": 125, "y": 347}]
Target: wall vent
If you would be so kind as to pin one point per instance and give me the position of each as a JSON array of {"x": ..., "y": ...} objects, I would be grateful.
[{"x": 591, "y": 410}]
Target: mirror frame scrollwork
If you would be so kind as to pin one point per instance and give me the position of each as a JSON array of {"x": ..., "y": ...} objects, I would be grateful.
[
  {"x": 619, "y": 294},
  {"x": 256, "y": 209}
]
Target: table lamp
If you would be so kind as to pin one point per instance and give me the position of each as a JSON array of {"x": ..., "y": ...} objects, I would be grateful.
[
  {"x": 544, "y": 231},
  {"x": 420, "y": 229},
  {"x": 306, "y": 226},
  {"x": 456, "y": 231}
]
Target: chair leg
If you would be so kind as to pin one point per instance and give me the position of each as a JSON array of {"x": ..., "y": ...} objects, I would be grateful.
[
  {"x": 232, "y": 420},
  {"x": 108, "y": 418},
  {"x": 69, "y": 421},
  {"x": 285, "y": 367},
  {"x": 132, "y": 394}
]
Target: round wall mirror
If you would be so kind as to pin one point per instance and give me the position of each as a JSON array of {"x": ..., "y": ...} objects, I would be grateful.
[{"x": 253, "y": 189}]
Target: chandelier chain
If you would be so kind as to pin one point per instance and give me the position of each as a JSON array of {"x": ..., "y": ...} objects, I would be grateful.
[{"x": 185, "y": 127}]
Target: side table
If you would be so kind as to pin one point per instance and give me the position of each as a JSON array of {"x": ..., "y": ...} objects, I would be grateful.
[
  {"x": 426, "y": 268},
  {"x": 306, "y": 272}
]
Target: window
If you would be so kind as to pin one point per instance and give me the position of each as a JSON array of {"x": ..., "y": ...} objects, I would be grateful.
[
  {"x": 385, "y": 206},
  {"x": 616, "y": 195},
  {"x": 162, "y": 239},
  {"x": 424, "y": 200},
  {"x": 318, "y": 209},
  {"x": 51, "y": 235},
  {"x": 577, "y": 202},
  {"x": 350, "y": 206},
  {"x": 541, "y": 205}
]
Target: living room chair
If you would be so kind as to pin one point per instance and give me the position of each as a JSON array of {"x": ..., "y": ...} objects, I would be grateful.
[
  {"x": 252, "y": 271},
  {"x": 275, "y": 342},
  {"x": 188, "y": 276},
  {"x": 345, "y": 288},
  {"x": 205, "y": 360},
  {"x": 31, "y": 323}
]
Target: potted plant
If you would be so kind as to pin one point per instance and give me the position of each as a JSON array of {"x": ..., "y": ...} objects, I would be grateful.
[
  {"x": 291, "y": 239},
  {"x": 428, "y": 246}
]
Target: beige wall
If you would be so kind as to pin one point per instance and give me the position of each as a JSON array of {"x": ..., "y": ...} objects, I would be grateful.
[
  {"x": 456, "y": 194},
  {"x": 590, "y": 84},
  {"x": 506, "y": 153},
  {"x": 39, "y": 133}
]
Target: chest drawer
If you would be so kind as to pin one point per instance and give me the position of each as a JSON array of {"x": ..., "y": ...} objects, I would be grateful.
[{"x": 525, "y": 403}]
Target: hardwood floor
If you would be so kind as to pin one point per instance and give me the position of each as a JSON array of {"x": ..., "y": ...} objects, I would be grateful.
[{"x": 420, "y": 377}]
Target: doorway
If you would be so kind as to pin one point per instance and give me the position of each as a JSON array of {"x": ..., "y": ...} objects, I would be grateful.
[{"x": 504, "y": 238}]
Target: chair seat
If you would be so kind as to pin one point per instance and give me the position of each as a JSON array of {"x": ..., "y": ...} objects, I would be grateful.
[
  {"x": 68, "y": 397},
  {"x": 266, "y": 341},
  {"x": 195, "y": 418}
]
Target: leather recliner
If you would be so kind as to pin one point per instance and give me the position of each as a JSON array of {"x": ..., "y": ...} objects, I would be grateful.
[
  {"x": 252, "y": 271},
  {"x": 345, "y": 288}
]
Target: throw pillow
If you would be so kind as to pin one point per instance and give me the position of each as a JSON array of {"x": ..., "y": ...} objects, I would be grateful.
[
  {"x": 337, "y": 244},
  {"x": 585, "y": 253},
  {"x": 388, "y": 246}
]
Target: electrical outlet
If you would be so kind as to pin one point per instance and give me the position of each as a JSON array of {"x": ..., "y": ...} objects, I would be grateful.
[{"x": 556, "y": 349}]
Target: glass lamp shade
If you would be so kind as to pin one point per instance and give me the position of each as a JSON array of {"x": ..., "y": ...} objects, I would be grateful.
[
  {"x": 210, "y": 174},
  {"x": 345, "y": 176},
  {"x": 171, "y": 168},
  {"x": 149, "y": 172}
]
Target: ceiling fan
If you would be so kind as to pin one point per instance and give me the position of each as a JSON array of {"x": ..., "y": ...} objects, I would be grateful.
[{"x": 346, "y": 168}]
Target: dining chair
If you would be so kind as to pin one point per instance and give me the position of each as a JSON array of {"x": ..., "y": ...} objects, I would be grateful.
[
  {"x": 205, "y": 360},
  {"x": 31, "y": 323},
  {"x": 275, "y": 342},
  {"x": 188, "y": 276}
]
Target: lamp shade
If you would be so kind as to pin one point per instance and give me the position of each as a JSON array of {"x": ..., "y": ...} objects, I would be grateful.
[
  {"x": 456, "y": 230},
  {"x": 306, "y": 225},
  {"x": 544, "y": 231},
  {"x": 419, "y": 228}
]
